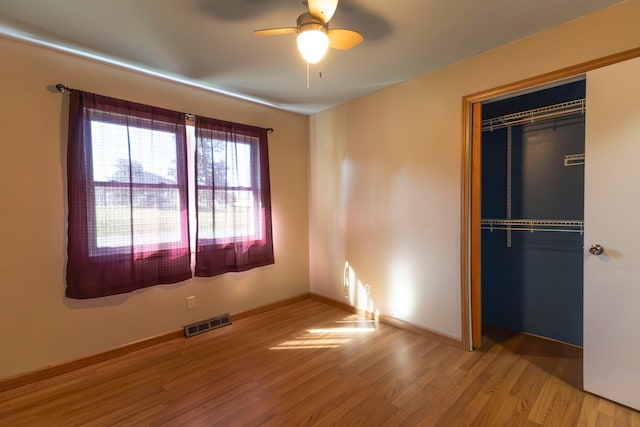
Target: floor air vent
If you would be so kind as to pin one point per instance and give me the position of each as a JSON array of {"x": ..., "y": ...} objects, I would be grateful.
[{"x": 207, "y": 325}]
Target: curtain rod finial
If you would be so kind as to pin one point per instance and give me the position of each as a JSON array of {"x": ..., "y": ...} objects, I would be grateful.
[
  {"x": 269, "y": 130},
  {"x": 62, "y": 88}
]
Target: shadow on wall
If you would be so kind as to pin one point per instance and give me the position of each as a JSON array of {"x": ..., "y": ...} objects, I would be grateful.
[
  {"x": 347, "y": 330},
  {"x": 358, "y": 294},
  {"x": 401, "y": 296}
]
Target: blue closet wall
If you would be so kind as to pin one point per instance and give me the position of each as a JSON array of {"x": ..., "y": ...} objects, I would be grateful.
[{"x": 534, "y": 286}]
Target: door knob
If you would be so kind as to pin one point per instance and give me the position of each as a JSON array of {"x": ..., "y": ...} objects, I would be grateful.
[{"x": 596, "y": 249}]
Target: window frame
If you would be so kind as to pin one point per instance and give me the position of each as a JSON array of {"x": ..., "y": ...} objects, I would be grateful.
[
  {"x": 254, "y": 189},
  {"x": 139, "y": 250},
  {"x": 218, "y": 255}
]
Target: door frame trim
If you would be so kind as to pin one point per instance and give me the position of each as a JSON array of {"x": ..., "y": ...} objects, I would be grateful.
[{"x": 470, "y": 261}]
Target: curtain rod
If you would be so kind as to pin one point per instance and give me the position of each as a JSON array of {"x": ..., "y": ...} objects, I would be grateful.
[{"x": 64, "y": 89}]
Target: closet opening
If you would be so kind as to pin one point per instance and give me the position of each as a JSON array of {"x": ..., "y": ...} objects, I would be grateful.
[
  {"x": 605, "y": 362},
  {"x": 532, "y": 211}
]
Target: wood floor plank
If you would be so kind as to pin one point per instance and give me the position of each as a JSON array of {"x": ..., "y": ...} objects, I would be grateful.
[
  {"x": 309, "y": 363},
  {"x": 501, "y": 404},
  {"x": 589, "y": 412}
]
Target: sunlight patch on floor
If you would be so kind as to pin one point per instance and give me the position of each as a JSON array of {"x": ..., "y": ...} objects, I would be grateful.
[
  {"x": 340, "y": 330},
  {"x": 331, "y": 337}
]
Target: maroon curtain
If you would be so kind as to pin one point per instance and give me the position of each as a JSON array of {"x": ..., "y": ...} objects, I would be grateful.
[
  {"x": 127, "y": 191},
  {"x": 233, "y": 198}
]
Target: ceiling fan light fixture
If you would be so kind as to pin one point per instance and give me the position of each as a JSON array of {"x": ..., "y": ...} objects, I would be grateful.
[{"x": 313, "y": 42}]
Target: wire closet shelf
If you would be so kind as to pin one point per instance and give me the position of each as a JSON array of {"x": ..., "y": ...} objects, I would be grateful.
[
  {"x": 531, "y": 225},
  {"x": 577, "y": 106},
  {"x": 536, "y": 114}
]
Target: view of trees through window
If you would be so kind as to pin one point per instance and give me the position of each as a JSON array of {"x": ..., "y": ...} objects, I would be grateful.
[
  {"x": 225, "y": 191},
  {"x": 136, "y": 187}
]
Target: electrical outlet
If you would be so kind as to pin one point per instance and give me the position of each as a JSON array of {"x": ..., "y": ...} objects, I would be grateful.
[
  {"x": 191, "y": 302},
  {"x": 367, "y": 289}
]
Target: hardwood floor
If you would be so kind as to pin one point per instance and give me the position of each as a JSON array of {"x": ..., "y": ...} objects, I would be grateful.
[{"x": 309, "y": 363}]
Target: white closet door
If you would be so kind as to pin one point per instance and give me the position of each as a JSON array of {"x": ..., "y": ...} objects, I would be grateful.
[{"x": 612, "y": 220}]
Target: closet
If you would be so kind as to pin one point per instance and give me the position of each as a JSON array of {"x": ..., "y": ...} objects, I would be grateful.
[{"x": 533, "y": 212}]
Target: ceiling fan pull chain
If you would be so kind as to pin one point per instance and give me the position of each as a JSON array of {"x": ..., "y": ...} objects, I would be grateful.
[{"x": 308, "y": 76}]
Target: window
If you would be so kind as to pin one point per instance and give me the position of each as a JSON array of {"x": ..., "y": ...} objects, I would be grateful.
[
  {"x": 233, "y": 199},
  {"x": 128, "y": 197},
  {"x": 227, "y": 205},
  {"x": 135, "y": 185}
]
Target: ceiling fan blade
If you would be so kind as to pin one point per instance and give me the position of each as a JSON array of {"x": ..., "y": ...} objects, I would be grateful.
[
  {"x": 323, "y": 9},
  {"x": 344, "y": 39},
  {"x": 275, "y": 31}
]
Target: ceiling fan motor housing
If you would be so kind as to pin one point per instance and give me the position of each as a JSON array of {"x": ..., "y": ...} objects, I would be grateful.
[{"x": 308, "y": 22}]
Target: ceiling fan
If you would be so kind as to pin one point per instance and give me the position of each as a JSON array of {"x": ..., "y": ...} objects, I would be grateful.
[{"x": 314, "y": 35}]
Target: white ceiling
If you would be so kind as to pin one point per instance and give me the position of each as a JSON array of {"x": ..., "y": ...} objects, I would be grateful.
[{"x": 210, "y": 43}]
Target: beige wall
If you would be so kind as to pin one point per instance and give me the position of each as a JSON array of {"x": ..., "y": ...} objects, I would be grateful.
[
  {"x": 38, "y": 325},
  {"x": 385, "y": 174}
]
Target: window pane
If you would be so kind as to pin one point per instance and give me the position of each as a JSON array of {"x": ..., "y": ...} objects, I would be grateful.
[
  {"x": 119, "y": 151},
  {"x": 205, "y": 162},
  {"x": 243, "y": 174},
  {"x": 157, "y": 220},
  {"x": 113, "y": 217},
  {"x": 224, "y": 164},
  {"x": 229, "y": 214},
  {"x": 234, "y": 163},
  {"x": 135, "y": 156},
  {"x": 154, "y": 216}
]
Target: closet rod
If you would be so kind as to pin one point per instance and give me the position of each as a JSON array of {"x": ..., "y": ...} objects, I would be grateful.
[{"x": 576, "y": 106}]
